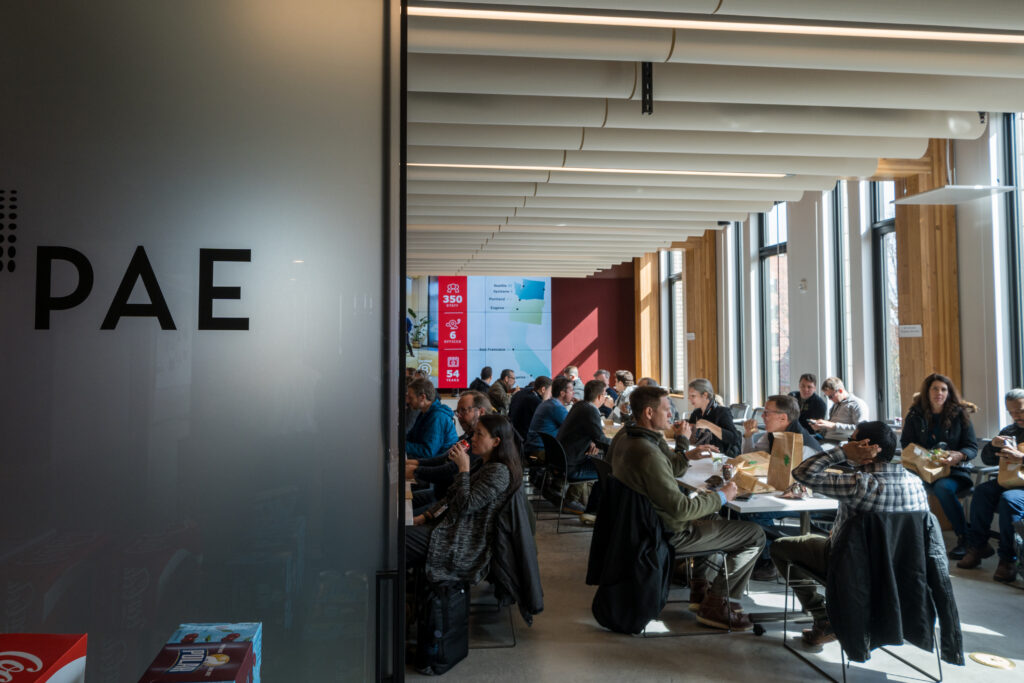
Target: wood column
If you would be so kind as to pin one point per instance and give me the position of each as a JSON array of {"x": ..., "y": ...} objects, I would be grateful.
[
  {"x": 927, "y": 280},
  {"x": 648, "y": 316},
  {"x": 702, "y": 306}
]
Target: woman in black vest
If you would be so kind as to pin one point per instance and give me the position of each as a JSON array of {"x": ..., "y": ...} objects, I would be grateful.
[
  {"x": 710, "y": 423},
  {"x": 938, "y": 419}
]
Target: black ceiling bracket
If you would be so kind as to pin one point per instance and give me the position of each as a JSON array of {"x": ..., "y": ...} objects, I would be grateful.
[{"x": 646, "y": 88}]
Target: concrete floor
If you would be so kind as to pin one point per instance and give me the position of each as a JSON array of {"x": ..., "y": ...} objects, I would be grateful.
[{"x": 565, "y": 643}]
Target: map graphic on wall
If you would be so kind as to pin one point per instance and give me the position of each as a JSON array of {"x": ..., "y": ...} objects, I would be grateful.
[{"x": 457, "y": 325}]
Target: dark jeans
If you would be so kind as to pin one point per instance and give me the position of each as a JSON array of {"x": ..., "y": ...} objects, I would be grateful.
[
  {"x": 947, "y": 490},
  {"x": 988, "y": 499}
]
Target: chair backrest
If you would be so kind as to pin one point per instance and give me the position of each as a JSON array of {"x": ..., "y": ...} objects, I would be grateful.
[
  {"x": 603, "y": 469},
  {"x": 758, "y": 415},
  {"x": 554, "y": 454},
  {"x": 740, "y": 411}
]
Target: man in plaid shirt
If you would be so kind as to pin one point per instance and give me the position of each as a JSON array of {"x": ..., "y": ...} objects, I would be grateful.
[{"x": 875, "y": 485}]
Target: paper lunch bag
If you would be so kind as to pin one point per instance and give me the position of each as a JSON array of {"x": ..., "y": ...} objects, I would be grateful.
[
  {"x": 918, "y": 460},
  {"x": 1011, "y": 474},
  {"x": 787, "y": 453}
]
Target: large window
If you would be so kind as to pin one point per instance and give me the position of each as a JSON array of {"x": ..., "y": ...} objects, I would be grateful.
[
  {"x": 887, "y": 319},
  {"x": 1015, "y": 245},
  {"x": 677, "y": 319},
  {"x": 775, "y": 300}
]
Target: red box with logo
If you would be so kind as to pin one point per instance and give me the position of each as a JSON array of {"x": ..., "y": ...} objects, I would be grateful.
[{"x": 42, "y": 658}]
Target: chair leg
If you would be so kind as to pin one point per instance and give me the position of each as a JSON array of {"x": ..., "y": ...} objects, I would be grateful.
[
  {"x": 710, "y": 632},
  {"x": 938, "y": 659},
  {"x": 785, "y": 633},
  {"x": 561, "y": 504}
]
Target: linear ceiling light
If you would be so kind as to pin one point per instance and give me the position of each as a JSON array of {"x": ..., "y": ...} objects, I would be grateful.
[
  {"x": 849, "y": 31},
  {"x": 577, "y": 169}
]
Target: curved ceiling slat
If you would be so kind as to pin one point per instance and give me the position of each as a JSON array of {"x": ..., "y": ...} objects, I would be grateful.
[
  {"x": 427, "y": 107},
  {"x": 712, "y": 83},
  {"x": 431, "y": 35},
  {"x": 980, "y": 14}
]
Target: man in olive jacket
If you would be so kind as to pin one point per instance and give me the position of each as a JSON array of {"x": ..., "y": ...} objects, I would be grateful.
[{"x": 641, "y": 459}]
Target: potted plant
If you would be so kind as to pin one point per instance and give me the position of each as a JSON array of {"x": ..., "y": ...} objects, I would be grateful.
[{"x": 418, "y": 329}]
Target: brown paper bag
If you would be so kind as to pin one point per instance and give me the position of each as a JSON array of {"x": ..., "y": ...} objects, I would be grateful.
[
  {"x": 748, "y": 482},
  {"x": 1011, "y": 474},
  {"x": 787, "y": 453},
  {"x": 755, "y": 463},
  {"x": 918, "y": 460}
]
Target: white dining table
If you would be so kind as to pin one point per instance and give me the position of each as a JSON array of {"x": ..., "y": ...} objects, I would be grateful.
[{"x": 700, "y": 470}]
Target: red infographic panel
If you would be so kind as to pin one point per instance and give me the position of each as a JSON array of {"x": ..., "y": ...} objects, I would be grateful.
[{"x": 451, "y": 332}]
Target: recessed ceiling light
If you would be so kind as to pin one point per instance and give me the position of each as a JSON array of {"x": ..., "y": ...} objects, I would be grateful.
[
  {"x": 578, "y": 169},
  {"x": 850, "y": 31}
]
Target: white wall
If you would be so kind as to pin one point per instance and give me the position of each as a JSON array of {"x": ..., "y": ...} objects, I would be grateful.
[
  {"x": 981, "y": 251},
  {"x": 811, "y": 288}
]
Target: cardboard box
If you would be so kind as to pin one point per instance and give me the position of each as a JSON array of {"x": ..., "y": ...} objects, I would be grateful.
[
  {"x": 42, "y": 658},
  {"x": 209, "y": 663},
  {"x": 210, "y": 634}
]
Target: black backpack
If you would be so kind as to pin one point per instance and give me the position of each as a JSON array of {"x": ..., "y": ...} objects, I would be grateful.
[{"x": 442, "y": 632}]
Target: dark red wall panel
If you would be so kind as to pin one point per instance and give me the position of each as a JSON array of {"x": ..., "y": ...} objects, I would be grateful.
[{"x": 592, "y": 322}]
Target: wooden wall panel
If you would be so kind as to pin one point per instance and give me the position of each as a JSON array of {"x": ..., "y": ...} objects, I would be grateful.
[
  {"x": 927, "y": 279},
  {"x": 648, "y": 316},
  {"x": 702, "y": 306}
]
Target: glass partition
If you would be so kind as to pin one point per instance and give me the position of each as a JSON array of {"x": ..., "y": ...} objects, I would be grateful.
[{"x": 196, "y": 421}]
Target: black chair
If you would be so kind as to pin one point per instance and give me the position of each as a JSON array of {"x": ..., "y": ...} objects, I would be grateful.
[
  {"x": 603, "y": 468},
  {"x": 555, "y": 465},
  {"x": 816, "y": 579}
]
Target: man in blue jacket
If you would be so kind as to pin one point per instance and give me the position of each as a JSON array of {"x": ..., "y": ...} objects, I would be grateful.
[{"x": 433, "y": 433}]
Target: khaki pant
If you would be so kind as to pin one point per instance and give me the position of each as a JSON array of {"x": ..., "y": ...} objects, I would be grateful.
[
  {"x": 742, "y": 543},
  {"x": 810, "y": 551}
]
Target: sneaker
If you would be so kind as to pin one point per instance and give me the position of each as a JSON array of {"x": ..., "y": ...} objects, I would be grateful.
[
  {"x": 719, "y": 613},
  {"x": 764, "y": 570},
  {"x": 1006, "y": 572},
  {"x": 588, "y": 519},
  {"x": 974, "y": 556},
  {"x": 820, "y": 633},
  {"x": 960, "y": 549},
  {"x": 571, "y": 507}
]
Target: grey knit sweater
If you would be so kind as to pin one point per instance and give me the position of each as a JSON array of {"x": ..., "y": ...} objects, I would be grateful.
[{"x": 459, "y": 547}]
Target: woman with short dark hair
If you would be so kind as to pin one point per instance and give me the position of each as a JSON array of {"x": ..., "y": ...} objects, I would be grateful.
[{"x": 938, "y": 418}]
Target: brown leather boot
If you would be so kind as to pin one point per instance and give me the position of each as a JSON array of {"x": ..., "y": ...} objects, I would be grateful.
[
  {"x": 1006, "y": 572},
  {"x": 698, "y": 591},
  {"x": 974, "y": 556},
  {"x": 718, "y": 613},
  {"x": 820, "y": 633}
]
